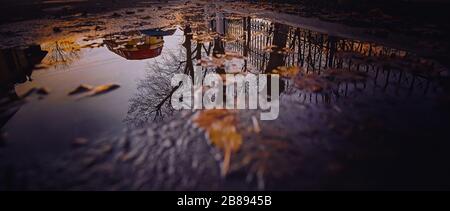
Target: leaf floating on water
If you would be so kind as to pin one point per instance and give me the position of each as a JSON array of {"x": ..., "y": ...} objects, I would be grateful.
[
  {"x": 220, "y": 126},
  {"x": 227, "y": 138},
  {"x": 43, "y": 91},
  {"x": 27, "y": 94},
  {"x": 207, "y": 117},
  {"x": 256, "y": 126},
  {"x": 103, "y": 89},
  {"x": 81, "y": 89},
  {"x": 288, "y": 72},
  {"x": 37, "y": 90}
]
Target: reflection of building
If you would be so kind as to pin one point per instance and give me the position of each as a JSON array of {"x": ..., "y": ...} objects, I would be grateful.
[
  {"x": 267, "y": 45},
  {"x": 137, "y": 45},
  {"x": 16, "y": 66}
]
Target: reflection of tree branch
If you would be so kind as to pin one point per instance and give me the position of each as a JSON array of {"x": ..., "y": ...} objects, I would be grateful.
[
  {"x": 153, "y": 98},
  {"x": 154, "y": 92},
  {"x": 62, "y": 53}
]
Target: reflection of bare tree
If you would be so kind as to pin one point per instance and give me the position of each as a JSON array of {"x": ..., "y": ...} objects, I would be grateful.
[
  {"x": 153, "y": 98},
  {"x": 61, "y": 52},
  {"x": 154, "y": 92}
]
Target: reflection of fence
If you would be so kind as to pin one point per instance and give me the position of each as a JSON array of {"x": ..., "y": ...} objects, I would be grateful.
[
  {"x": 316, "y": 52},
  {"x": 252, "y": 39}
]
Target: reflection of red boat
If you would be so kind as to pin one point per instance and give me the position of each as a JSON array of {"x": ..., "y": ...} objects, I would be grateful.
[
  {"x": 140, "y": 54},
  {"x": 137, "y": 53},
  {"x": 138, "y": 45}
]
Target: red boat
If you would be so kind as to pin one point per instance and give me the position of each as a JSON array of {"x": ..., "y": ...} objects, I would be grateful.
[{"x": 137, "y": 45}]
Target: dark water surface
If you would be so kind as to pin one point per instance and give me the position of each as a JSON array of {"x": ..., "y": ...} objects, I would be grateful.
[{"x": 354, "y": 114}]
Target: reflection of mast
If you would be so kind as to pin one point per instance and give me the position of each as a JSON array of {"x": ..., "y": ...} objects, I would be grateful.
[{"x": 16, "y": 66}]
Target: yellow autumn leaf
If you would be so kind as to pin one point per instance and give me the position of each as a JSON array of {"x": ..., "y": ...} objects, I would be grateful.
[
  {"x": 103, "y": 89},
  {"x": 220, "y": 126},
  {"x": 287, "y": 71},
  {"x": 80, "y": 89},
  {"x": 206, "y": 117}
]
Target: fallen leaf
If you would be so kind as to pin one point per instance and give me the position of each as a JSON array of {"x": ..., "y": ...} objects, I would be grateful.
[
  {"x": 43, "y": 91},
  {"x": 38, "y": 90},
  {"x": 81, "y": 89},
  {"x": 287, "y": 71},
  {"x": 220, "y": 126},
  {"x": 256, "y": 126},
  {"x": 103, "y": 89}
]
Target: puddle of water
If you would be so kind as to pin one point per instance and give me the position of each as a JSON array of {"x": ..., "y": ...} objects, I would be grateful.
[
  {"x": 67, "y": 117},
  {"x": 329, "y": 84}
]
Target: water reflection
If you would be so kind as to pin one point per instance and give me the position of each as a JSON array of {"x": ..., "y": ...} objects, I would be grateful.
[
  {"x": 137, "y": 45},
  {"x": 269, "y": 45},
  {"x": 61, "y": 53},
  {"x": 154, "y": 92},
  {"x": 16, "y": 66},
  {"x": 316, "y": 68},
  {"x": 320, "y": 68}
]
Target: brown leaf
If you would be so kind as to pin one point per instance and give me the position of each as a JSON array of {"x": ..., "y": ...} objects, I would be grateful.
[
  {"x": 103, "y": 89},
  {"x": 43, "y": 91},
  {"x": 256, "y": 126},
  {"x": 220, "y": 126},
  {"x": 81, "y": 89},
  {"x": 288, "y": 72},
  {"x": 37, "y": 90}
]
